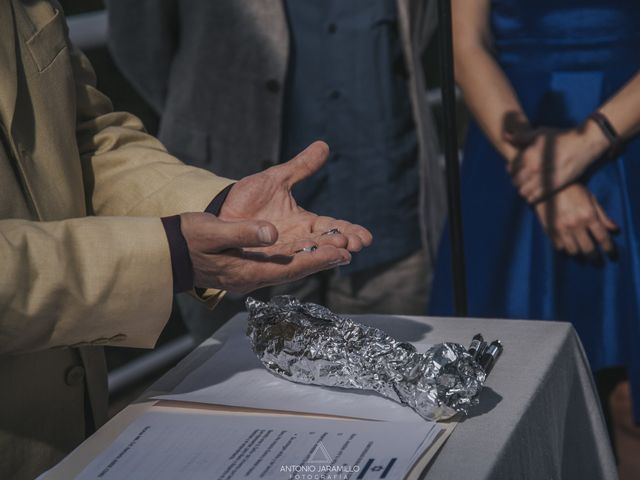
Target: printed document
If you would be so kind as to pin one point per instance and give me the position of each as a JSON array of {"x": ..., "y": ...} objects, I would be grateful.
[{"x": 192, "y": 446}]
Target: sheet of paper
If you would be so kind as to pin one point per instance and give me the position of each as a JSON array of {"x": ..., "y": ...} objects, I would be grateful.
[
  {"x": 192, "y": 446},
  {"x": 234, "y": 376}
]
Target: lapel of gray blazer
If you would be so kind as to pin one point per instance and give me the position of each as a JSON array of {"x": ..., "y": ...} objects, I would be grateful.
[
  {"x": 404, "y": 20},
  {"x": 277, "y": 30},
  {"x": 8, "y": 68}
]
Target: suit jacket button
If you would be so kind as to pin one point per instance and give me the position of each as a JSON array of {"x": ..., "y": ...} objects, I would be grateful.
[
  {"x": 74, "y": 376},
  {"x": 273, "y": 85}
]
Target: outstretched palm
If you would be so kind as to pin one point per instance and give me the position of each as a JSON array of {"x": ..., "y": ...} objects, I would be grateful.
[
  {"x": 239, "y": 251},
  {"x": 267, "y": 196}
]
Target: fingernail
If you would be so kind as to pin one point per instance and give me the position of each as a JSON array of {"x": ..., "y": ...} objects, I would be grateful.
[
  {"x": 341, "y": 262},
  {"x": 265, "y": 235}
]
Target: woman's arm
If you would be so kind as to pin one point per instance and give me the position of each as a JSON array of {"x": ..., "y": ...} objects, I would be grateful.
[
  {"x": 623, "y": 109},
  {"x": 486, "y": 89},
  {"x": 536, "y": 174},
  {"x": 572, "y": 217},
  {"x": 575, "y": 222}
]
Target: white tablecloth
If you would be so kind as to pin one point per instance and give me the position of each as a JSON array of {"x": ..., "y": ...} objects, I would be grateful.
[{"x": 538, "y": 417}]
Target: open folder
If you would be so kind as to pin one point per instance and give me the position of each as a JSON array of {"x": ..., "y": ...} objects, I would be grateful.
[
  {"x": 192, "y": 445},
  {"x": 232, "y": 380}
]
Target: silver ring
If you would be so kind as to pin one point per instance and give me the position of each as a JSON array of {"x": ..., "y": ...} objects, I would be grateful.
[
  {"x": 333, "y": 231},
  {"x": 312, "y": 248}
]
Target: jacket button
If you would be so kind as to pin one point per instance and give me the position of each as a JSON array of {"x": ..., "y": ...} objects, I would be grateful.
[
  {"x": 74, "y": 375},
  {"x": 273, "y": 85}
]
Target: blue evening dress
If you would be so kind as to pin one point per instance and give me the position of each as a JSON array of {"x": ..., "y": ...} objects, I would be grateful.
[{"x": 564, "y": 58}]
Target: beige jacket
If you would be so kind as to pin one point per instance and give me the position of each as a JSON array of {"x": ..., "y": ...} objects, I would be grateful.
[{"x": 83, "y": 255}]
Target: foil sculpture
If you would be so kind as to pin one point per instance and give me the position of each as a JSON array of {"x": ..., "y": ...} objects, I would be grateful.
[{"x": 307, "y": 343}]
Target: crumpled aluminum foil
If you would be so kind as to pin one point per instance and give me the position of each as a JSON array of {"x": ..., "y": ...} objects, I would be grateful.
[{"x": 307, "y": 343}]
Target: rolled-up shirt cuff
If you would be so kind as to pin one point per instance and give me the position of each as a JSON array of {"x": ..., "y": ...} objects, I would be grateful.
[
  {"x": 181, "y": 266},
  {"x": 216, "y": 204}
]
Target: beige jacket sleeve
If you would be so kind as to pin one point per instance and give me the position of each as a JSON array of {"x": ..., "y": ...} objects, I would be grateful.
[
  {"x": 126, "y": 171},
  {"x": 83, "y": 281},
  {"x": 103, "y": 279}
]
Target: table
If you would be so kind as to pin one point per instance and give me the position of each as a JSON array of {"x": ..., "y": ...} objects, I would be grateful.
[{"x": 538, "y": 417}]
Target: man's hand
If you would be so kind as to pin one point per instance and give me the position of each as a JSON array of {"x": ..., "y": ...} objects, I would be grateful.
[
  {"x": 267, "y": 196},
  {"x": 550, "y": 159},
  {"x": 574, "y": 219},
  {"x": 262, "y": 237},
  {"x": 244, "y": 256}
]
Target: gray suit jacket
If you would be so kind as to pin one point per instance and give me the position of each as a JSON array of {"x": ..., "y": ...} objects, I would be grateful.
[{"x": 214, "y": 70}]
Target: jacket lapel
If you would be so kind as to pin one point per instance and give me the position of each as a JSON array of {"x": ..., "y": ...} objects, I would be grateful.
[{"x": 8, "y": 71}]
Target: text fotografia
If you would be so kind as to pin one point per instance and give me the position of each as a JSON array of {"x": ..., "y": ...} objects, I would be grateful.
[{"x": 319, "y": 472}]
